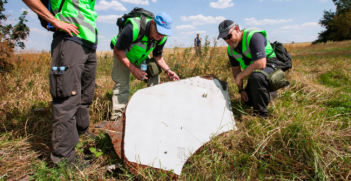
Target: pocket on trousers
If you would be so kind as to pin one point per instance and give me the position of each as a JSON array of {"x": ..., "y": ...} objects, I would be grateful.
[
  {"x": 63, "y": 85},
  {"x": 57, "y": 134}
]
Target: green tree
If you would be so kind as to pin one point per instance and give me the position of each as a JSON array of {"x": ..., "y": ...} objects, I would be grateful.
[
  {"x": 11, "y": 36},
  {"x": 342, "y": 24},
  {"x": 333, "y": 22}
]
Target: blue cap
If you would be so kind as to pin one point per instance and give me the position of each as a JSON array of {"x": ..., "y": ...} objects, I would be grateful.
[{"x": 163, "y": 23}]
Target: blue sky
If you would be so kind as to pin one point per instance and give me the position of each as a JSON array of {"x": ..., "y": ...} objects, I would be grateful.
[{"x": 284, "y": 20}]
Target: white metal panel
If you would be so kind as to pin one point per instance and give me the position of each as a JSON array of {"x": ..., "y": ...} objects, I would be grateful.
[{"x": 167, "y": 123}]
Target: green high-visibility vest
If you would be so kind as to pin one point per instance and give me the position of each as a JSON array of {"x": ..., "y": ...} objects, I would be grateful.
[
  {"x": 246, "y": 50},
  {"x": 80, "y": 13},
  {"x": 136, "y": 53}
]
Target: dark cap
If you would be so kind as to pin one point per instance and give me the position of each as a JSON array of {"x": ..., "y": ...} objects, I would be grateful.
[{"x": 224, "y": 28}]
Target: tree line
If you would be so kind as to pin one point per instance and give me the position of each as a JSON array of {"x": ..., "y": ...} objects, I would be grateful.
[{"x": 337, "y": 23}]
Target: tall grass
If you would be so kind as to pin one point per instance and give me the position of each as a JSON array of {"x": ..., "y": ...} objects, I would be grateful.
[{"x": 307, "y": 135}]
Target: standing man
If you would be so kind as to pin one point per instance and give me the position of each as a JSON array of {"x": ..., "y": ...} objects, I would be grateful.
[
  {"x": 73, "y": 49},
  {"x": 197, "y": 44},
  {"x": 250, "y": 52},
  {"x": 128, "y": 54}
]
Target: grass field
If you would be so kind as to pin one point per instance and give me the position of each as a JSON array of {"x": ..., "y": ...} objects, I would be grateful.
[{"x": 307, "y": 135}]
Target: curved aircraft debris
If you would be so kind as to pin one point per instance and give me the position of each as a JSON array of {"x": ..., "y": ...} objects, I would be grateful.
[{"x": 165, "y": 124}]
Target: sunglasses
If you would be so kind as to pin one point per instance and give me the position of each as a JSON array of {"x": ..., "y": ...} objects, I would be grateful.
[{"x": 228, "y": 36}]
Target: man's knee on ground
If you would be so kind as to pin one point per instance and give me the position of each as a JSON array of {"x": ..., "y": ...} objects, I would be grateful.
[{"x": 256, "y": 77}]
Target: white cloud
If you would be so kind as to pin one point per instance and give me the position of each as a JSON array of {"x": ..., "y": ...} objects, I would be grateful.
[
  {"x": 255, "y": 22},
  {"x": 9, "y": 21},
  {"x": 193, "y": 32},
  {"x": 254, "y": 28},
  {"x": 32, "y": 42},
  {"x": 177, "y": 37},
  {"x": 100, "y": 36},
  {"x": 200, "y": 19},
  {"x": 323, "y": 1},
  {"x": 142, "y": 2},
  {"x": 154, "y": 1},
  {"x": 297, "y": 28},
  {"x": 42, "y": 32},
  {"x": 185, "y": 27},
  {"x": 221, "y": 4},
  {"x": 108, "y": 19},
  {"x": 31, "y": 14},
  {"x": 10, "y": 11},
  {"x": 104, "y": 5}
]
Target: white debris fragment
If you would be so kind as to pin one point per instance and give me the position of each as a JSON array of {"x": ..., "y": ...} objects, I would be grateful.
[{"x": 167, "y": 123}]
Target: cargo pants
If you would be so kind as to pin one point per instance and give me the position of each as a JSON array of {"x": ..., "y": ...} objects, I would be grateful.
[
  {"x": 72, "y": 93},
  {"x": 258, "y": 92},
  {"x": 121, "y": 75}
]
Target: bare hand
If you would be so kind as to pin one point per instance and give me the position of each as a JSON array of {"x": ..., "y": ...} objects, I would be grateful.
[
  {"x": 172, "y": 76},
  {"x": 244, "y": 96},
  {"x": 239, "y": 80},
  {"x": 69, "y": 28},
  {"x": 138, "y": 74}
]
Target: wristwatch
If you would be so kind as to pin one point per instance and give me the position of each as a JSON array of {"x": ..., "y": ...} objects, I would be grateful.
[
  {"x": 241, "y": 91},
  {"x": 167, "y": 70}
]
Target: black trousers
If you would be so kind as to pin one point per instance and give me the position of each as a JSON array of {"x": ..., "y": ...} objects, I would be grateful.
[
  {"x": 258, "y": 92},
  {"x": 72, "y": 92}
]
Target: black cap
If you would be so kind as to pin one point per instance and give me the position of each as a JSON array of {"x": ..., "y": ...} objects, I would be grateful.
[{"x": 224, "y": 28}]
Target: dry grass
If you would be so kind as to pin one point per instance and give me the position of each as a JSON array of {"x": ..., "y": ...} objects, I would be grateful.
[{"x": 306, "y": 137}]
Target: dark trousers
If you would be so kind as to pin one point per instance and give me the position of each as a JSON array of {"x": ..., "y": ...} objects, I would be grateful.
[
  {"x": 72, "y": 93},
  {"x": 258, "y": 92}
]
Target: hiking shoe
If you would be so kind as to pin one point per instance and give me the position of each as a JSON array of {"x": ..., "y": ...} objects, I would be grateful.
[{"x": 115, "y": 118}]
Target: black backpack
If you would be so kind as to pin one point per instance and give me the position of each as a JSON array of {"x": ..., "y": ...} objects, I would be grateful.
[
  {"x": 136, "y": 12},
  {"x": 282, "y": 55},
  {"x": 43, "y": 22}
]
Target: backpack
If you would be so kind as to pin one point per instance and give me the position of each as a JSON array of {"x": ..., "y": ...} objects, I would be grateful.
[
  {"x": 282, "y": 55},
  {"x": 136, "y": 12},
  {"x": 43, "y": 22},
  {"x": 276, "y": 79}
]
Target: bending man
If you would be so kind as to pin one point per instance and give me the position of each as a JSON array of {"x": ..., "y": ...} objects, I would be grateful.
[
  {"x": 250, "y": 51},
  {"x": 128, "y": 54}
]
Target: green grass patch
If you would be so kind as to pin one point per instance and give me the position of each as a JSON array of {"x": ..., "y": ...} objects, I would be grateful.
[{"x": 335, "y": 78}]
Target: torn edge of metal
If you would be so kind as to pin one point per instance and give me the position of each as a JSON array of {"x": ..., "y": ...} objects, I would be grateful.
[{"x": 116, "y": 129}]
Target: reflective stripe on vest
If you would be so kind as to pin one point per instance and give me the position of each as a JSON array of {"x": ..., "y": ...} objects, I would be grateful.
[
  {"x": 82, "y": 14},
  {"x": 136, "y": 52},
  {"x": 247, "y": 34}
]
